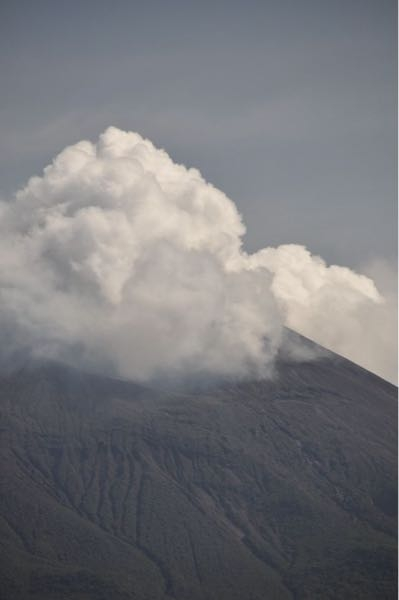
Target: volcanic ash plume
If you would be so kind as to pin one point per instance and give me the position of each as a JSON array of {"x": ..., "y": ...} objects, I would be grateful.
[{"x": 121, "y": 260}]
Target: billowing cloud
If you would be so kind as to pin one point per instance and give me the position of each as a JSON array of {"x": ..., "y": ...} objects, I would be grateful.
[
  {"x": 119, "y": 259},
  {"x": 340, "y": 309}
]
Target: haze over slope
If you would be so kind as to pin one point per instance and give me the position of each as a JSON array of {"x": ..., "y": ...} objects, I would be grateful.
[
  {"x": 119, "y": 259},
  {"x": 281, "y": 489}
]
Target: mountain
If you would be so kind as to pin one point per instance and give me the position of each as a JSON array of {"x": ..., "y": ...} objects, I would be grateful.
[{"x": 276, "y": 489}]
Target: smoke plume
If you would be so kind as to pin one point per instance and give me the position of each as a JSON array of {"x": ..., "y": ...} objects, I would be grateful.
[{"x": 121, "y": 260}]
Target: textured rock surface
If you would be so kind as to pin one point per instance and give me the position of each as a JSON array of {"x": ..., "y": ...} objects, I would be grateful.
[{"x": 279, "y": 489}]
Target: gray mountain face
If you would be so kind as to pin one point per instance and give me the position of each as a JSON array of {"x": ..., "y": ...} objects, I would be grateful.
[{"x": 255, "y": 490}]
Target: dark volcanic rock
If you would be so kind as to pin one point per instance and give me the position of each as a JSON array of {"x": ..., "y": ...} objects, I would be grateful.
[{"x": 279, "y": 489}]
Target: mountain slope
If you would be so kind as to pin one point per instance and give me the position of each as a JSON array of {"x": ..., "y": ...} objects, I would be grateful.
[{"x": 274, "y": 489}]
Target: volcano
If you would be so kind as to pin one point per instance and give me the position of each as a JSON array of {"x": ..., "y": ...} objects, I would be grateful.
[{"x": 251, "y": 490}]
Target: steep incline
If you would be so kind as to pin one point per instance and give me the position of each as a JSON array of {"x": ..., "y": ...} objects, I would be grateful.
[{"x": 279, "y": 489}]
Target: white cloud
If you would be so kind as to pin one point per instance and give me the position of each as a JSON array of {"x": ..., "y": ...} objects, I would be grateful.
[
  {"x": 121, "y": 259},
  {"x": 336, "y": 307}
]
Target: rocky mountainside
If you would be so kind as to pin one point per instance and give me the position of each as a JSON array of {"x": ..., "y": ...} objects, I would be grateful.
[{"x": 256, "y": 490}]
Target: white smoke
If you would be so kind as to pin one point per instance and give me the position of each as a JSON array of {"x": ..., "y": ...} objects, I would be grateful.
[{"x": 119, "y": 258}]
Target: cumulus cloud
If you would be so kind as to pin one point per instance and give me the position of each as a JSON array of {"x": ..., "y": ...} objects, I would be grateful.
[
  {"x": 342, "y": 310},
  {"x": 119, "y": 259}
]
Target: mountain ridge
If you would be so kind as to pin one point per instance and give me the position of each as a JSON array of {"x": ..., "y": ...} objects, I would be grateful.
[{"x": 280, "y": 488}]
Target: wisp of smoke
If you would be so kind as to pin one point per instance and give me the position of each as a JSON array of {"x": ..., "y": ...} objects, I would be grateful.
[{"x": 121, "y": 260}]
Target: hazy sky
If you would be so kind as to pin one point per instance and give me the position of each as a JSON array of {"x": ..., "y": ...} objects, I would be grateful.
[{"x": 287, "y": 106}]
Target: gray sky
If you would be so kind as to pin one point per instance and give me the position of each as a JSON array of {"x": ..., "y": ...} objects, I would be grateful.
[{"x": 287, "y": 106}]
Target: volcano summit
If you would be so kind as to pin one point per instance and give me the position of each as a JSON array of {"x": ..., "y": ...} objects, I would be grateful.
[{"x": 281, "y": 488}]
